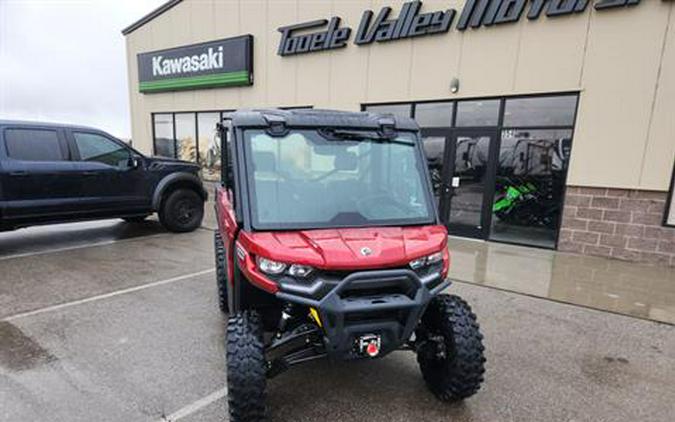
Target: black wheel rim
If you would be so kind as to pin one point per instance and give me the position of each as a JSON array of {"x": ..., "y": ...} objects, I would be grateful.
[{"x": 186, "y": 211}]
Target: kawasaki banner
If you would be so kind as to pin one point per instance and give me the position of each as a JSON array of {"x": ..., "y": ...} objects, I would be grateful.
[{"x": 227, "y": 62}]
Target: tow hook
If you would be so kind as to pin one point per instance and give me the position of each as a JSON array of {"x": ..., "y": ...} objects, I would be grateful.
[{"x": 370, "y": 345}]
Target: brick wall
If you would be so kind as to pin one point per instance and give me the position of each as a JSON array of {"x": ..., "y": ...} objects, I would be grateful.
[{"x": 617, "y": 223}]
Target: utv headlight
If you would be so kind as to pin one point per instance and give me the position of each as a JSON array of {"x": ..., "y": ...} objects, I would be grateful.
[
  {"x": 418, "y": 263},
  {"x": 434, "y": 258},
  {"x": 300, "y": 271},
  {"x": 269, "y": 266}
]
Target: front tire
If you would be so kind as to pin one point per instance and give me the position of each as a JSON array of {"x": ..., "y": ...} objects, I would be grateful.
[
  {"x": 221, "y": 272},
  {"x": 182, "y": 211},
  {"x": 246, "y": 368},
  {"x": 450, "y": 352}
]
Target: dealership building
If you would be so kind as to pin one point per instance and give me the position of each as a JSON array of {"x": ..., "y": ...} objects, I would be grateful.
[{"x": 546, "y": 123}]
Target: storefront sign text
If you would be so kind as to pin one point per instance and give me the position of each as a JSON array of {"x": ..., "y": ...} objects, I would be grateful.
[
  {"x": 295, "y": 39},
  {"x": 226, "y": 62}
]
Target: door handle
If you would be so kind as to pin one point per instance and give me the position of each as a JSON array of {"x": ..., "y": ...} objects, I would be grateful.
[
  {"x": 18, "y": 173},
  {"x": 89, "y": 173}
]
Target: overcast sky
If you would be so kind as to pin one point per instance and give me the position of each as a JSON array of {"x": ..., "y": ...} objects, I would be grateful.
[{"x": 65, "y": 61}]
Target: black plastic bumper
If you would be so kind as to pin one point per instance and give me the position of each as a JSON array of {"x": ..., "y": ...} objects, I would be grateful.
[{"x": 387, "y": 303}]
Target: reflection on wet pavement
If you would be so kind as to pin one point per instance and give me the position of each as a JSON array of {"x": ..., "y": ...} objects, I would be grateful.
[
  {"x": 637, "y": 290},
  {"x": 34, "y": 240}
]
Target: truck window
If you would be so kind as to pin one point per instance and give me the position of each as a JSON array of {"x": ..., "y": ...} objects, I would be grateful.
[
  {"x": 33, "y": 145},
  {"x": 97, "y": 148}
]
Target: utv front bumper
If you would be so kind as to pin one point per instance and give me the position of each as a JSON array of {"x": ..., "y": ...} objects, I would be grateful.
[{"x": 385, "y": 303}]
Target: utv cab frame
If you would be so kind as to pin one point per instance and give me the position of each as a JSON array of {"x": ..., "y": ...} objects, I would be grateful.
[{"x": 329, "y": 246}]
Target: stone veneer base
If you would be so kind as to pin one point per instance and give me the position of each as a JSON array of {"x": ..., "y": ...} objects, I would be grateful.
[{"x": 617, "y": 223}]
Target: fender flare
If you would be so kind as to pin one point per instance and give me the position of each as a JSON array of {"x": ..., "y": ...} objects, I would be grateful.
[{"x": 173, "y": 178}]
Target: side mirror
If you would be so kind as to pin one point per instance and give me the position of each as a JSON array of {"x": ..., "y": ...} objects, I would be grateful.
[{"x": 134, "y": 162}]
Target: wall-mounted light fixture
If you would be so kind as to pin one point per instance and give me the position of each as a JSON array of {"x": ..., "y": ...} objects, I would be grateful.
[{"x": 454, "y": 85}]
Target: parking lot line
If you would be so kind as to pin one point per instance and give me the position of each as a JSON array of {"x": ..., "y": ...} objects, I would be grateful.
[
  {"x": 71, "y": 248},
  {"x": 195, "y": 406},
  {"x": 106, "y": 295}
]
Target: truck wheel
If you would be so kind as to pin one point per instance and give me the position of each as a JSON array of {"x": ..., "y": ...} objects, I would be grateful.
[
  {"x": 182, "y": 211},
  {"x": 221, "y": 271},
  {"x": 246, "y": 368},
  {"x": 450, "y": 352}
]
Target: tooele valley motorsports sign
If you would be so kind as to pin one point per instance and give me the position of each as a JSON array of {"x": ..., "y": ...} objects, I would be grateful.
[
  {"x": 411, "y": 23},
  {"x": 227, "y": 62}
]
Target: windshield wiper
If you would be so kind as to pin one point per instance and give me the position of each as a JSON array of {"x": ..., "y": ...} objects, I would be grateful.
[{"x": 340, "y": 134}]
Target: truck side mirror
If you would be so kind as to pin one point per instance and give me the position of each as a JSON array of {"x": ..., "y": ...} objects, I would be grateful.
[{"x": 134, "y": 162}]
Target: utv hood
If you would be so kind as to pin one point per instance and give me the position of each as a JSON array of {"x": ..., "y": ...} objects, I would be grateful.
[{"x": 348, "y": 249}]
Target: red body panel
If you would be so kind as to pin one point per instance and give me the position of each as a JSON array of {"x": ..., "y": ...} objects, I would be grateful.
[
  {"x": 340, "y": 249},
  {"x": 329, "y": 249},
  {"x": 227, "y": 225}
]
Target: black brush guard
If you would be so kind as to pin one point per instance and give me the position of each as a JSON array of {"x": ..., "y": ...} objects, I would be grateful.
[{"x": 387, "y": 303}]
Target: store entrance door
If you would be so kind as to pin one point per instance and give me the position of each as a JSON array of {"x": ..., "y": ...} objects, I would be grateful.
[
  {"x": 462, "y": 164},
  {"x": 437, "y": 145},
  {"x": 472, "y": 165}
]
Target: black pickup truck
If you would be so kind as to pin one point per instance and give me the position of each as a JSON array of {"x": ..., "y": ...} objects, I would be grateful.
[{"x": 53, "y": 173}]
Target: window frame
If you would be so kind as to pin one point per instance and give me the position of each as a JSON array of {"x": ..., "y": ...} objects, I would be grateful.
[
  {"x": 502, "y": 99},
  {"x": 60, "y": 137},
  {"x": 301, "y": 107}
]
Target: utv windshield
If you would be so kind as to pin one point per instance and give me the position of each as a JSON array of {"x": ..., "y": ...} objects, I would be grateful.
[{"x": 309, "y": 180}]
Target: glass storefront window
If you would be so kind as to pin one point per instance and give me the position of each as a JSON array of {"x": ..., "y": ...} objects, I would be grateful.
[
  {"x": 434, "y": 149},
  {"x": 478, "y": 113},
  {"x": 528, "y": 173},
  {"x": 434, "y": 114},
  {"x": 398, "y": 110},
  {"x": 529, "y": 186},
  {"x": 164, "y": 139},
  {"x": 540, "y": 111},
  {"x": 471, "y": 173},
  {"x": 209, "y": 145},
  {"x": 186, "y": 137}
]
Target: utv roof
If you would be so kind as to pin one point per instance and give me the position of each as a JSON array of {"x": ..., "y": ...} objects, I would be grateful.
[{"x": 320, "y": 118}]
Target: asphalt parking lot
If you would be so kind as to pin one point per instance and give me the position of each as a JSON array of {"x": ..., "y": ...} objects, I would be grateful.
[{"x": 110, "y": 322}]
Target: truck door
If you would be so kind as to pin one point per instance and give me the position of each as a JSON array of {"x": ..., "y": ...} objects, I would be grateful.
[
  {"x": 37, "y": 177},
  {"x": 112, "y": 181}
]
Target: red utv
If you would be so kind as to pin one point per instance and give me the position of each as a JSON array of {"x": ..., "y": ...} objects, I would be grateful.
[{"x": 329, "y": 246}]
